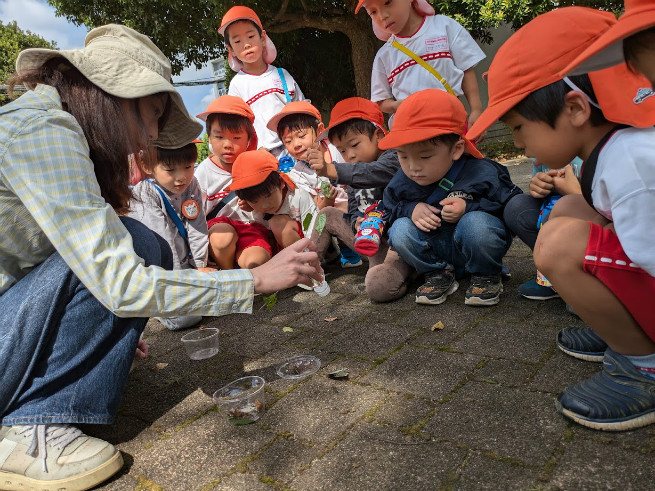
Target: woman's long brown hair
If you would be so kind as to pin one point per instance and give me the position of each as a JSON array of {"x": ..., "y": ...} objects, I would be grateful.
[{"x": 103, "y": 122}]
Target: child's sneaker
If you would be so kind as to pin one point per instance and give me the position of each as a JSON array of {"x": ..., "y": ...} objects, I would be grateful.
[
  {"x": 436, "y": 288},
  {"x": 618, "y": 398},
  {"x": 534, "y": 291},
  {"x": 505, "y": 273},
  {"x": 484, "y": 290},
  {"x": 349, "y": 258},
  {"x": 582, "y": 343},
  {"x": 54, "y": 456}
]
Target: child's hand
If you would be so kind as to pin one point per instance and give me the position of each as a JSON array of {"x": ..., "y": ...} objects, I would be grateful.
[
  {"x": 358, "y": 223},
  {"x": 565, "y": 182},
  {"x": 541, "y": 184},
  {"x": 243, "y": 204},
  {"x": 425, "y": 217},
  {"x": 323, "y": 201},
  {"x": 453, "y": 209},
  {"x": 141, "y": 350},
  {"x": 316, "y": 160}
]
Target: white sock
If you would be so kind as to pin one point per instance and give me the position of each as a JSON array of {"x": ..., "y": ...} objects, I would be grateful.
[{"x": 645, "y": 364}]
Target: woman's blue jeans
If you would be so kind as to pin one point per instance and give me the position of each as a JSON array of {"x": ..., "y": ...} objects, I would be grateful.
[
  {"x": 476, "y": 245},
  {"x": 65, "y": 358}
]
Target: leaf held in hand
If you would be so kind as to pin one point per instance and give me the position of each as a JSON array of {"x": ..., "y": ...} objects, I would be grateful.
[
  {"x": 325, "y": 188},
  {"x": 438, "y": 326},
  {"x": 320, "y": 223},
  {"x": 307, "y": 221}
]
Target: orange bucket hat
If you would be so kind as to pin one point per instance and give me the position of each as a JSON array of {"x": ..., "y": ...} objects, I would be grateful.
[
  {"x": 354, "y": 108},
  {"x": 426, "y": 114},
  {"x": 230, "y": 104},
  {"x": 252, "y": 168},
  {"x": 608, "y": 48},
  {"x": 534, "y": 56},
  {"x": 422, "y": 7},
  {"x": 293, "y": 107},
  {"x": 239, "y": 12}
]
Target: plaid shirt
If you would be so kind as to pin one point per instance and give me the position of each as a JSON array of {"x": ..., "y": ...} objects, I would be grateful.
[{"x": 50, "y": 201}]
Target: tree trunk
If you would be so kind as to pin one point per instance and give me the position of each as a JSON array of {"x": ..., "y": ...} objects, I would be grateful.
[{"x": 358, "y": 29}]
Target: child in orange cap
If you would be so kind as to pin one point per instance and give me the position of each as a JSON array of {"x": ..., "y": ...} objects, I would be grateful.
[
  {"x": 596, "y": 248},
  {"x": 422, "y": 51},
  {"x": 234, "y": 237},
  {"x": 356, "y": 126},
  {"x": 290, "y": 212},
  {"x": 630, "y": 40},
  {"x": 298, "y": 125},
  {"x": 444, "y": 209},
  {"x": 264, "y": 87}
]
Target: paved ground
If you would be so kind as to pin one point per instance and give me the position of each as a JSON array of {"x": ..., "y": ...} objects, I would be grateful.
[{"x": 467, "y": 407}]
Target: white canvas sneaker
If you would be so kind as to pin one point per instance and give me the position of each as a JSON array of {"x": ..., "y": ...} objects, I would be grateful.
[{"x": 54, "y": 456}]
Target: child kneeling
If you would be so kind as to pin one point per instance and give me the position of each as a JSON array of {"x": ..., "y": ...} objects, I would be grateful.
[{"x": 444, "y": 209}]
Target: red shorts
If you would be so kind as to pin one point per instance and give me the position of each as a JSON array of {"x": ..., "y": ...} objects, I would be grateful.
[
  {"x": 249, "y": 234},
  {"x": 634, "y": 287}
]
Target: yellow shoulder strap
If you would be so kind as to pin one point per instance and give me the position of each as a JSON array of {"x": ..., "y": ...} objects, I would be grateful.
[{"x": 422, "y": 62}]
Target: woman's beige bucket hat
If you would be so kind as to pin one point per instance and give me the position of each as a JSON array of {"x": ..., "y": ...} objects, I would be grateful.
[{"x": 125, "y": 64}]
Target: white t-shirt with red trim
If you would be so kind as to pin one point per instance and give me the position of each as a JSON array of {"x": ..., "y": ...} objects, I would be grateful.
[
  {"x": 265, "y": 95},
  {"x": 297, "y": 204},
  {"x": 441, "y": 42},
  {"x": 213, "y": 180},
  {"x": 623, "y": 190}
]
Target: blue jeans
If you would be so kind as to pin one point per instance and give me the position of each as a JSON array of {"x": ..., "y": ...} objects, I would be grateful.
[
  {"x": 476, "y": 245},
  {"x": 521, "y": 214},
  {"x": 64, "y": 358}
]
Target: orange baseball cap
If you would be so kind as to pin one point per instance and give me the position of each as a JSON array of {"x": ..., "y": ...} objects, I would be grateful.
[
  {"x": 426, "y": 114},
  {"x": 534, "y": 56},
  {"x": 252, "y": 168},
  {"x": 354, "y": 108},
  {"x": 607, "y": 50},
  {"x": 230, "y": 104},
  {"x": 239, "y": 12},
  {"x": 293, "y": 107}
]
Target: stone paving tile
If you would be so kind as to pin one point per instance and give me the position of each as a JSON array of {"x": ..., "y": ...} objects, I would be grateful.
[
  {"x": 283, "y": 460},
  {"x": 371, "y": 339},
  {"x": 321, "y": 409},
  {"x": 510, "y": 422},
  {"x": 403, "y": 411},
  {"x": 239, "y": 482},
  {"x": 492, "y": 474},
  {"x": 562, "y": 370},
  {"x": 198, "y": 454},
  {"x": 506, "y": 372},
  {"x": 360, "y": 462},
  {"x": 498, "y": 340},
  {"x": 582, "y": 467},
  {"x": 423, "y": 372}
]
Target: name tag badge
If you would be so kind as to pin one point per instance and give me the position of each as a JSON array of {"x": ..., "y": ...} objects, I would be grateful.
[
  {"x": 436, "y": 44},
  {"x": 190, "y": 209}
]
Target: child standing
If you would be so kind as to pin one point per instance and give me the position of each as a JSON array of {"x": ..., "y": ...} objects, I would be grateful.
[
  {"x": 597, "y": 247},
  {"x": 299, "y": 126},
  {"x": 169, "y": 202},
  {"x": 444, "y": 208},
  {"x": 288, "y": 211},
  {"x": 234, "y": 238},
  {"x": 422, "y": 51},
  {"x": 356, "y": 126},
  {"x": 264, "y": 87}
]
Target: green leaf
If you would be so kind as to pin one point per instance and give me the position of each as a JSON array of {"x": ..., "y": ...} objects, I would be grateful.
[
  {"x": 325, "y": 188},
  {"x": 270, "y": 300},
  {"x": 340, "y": 374},
  {"x": 320, "y": 223},
  {"x": 307, "y": 221}
]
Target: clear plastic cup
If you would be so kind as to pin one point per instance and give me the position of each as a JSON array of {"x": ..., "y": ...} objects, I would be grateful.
[
  {"x": 202, "y": 343},
  {"x": 242, "y": 401}
]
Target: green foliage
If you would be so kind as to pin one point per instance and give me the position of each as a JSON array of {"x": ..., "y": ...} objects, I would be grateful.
[
  {"x": 203, "y": 148},
  {"x": 12, "y": 41}
]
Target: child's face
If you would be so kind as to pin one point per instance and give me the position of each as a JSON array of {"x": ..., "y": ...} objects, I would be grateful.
[
  {"x": 358, "y": 147},
  {"x": 173, "y": 179},
  {"x": 245, "y": 42},
  {"x": 644, "y": 62},
  {"x": 297, "y": 142},
  {"x": 552, "y": 147},
  {"x": 426, "y": 163},
  {"x": 269, "y": 203},
  {"x": 228, "y": 144},
  {"x": 390, "y": 15}
]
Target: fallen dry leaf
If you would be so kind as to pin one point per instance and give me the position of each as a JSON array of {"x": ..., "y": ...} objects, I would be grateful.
[
  {"x": 160, "y": 366},
  {"x": 439, "y": 325},
  {"x": 330, "y": 319},
  {"x": 287, "y": 329}
]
